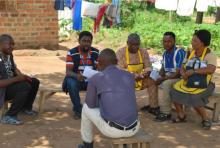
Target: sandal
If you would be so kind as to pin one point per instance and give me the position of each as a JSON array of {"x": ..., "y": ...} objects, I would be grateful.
[
  {"x": 162, "y": 117},
  {"x": 206, "y": 124},
  {"x": 179, "y": 119}
]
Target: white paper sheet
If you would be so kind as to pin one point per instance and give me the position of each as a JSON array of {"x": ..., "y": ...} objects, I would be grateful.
[
  {"x": 154, "y": 75},
  {"x": 88, "y": 72}
]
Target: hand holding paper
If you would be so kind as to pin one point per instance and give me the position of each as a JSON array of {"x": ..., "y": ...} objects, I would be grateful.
[{"x": 88, "y": 72}]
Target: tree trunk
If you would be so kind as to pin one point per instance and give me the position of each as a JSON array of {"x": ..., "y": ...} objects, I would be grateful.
[
  {"x": 199, "y": 17},
  {"x": 217, "y": 19}
]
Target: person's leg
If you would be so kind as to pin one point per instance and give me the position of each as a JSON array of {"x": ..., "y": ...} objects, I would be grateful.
[
  {"x": 73, "y": 89},
  {"x": 32, "y": 94},
  {"x": 202, "y": 112},
  {"x": 181, "y": 115},
  {"x": 152, "y": 90},
  {"x": 18, "y": 93},
  {"x": 206, "y": 123},
  {"x": 165, "y": 102},
  {"x": 92, "y": 116}
]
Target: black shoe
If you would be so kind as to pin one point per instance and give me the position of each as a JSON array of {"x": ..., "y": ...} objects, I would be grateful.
[
  {"x": 80, "y": 146},
  {"x": 154, "y": 111},
  {"x": 206, "y": 124},
  {"x": 85, "y": 145},
  {"x": 162, "y": 117},
  {"x": 145, "y": 108},
  {"x": 77, "y": 116}
]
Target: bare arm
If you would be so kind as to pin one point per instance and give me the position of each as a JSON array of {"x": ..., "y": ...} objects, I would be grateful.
[{"x": 7, "y": 82}]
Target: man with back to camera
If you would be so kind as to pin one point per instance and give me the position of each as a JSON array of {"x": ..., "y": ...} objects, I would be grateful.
[{"x": 110, "y": 102}]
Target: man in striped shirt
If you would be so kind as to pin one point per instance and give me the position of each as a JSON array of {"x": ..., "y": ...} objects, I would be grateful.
[{"x": 84, "y": 55}]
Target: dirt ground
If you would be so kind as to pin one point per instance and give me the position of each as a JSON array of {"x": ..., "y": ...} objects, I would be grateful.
[{"x": 56, "y": 128}]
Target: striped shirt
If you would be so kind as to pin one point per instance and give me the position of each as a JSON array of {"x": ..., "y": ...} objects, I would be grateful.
[
  {"x": 173, "y": 60},
  {"x": 83, "y": 61}
]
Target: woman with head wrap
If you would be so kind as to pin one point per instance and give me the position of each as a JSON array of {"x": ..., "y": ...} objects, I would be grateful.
[{"x": 196, "y": 84}]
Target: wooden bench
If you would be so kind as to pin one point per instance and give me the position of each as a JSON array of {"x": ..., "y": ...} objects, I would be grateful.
[
  {"x": 213, "y": 105},
  {"x": 140, "y": 140},
  {"x": 215, "y": 100},
  {"x": 44, "y": 94}
]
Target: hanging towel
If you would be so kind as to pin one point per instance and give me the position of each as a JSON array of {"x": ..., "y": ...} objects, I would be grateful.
[
  {"x": 202, "y": 5},
  {"x": 117, "y": 3},
  {"x": 59, "y": 5},
  {"x": 89, "y": 9},
  {"x": 98, "y": 19},
  {"x": 77, "y": 19},
  {"x": 68, "y": 3},
  {"x": 163, "y": 4},
  {"x": 185, "y": 7}
]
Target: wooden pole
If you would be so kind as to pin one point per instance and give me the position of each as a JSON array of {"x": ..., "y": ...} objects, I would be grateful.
[
  {"x": 170, "y": 16},
  {"x": 199, "y": 17},
  {"x": 217, "y": 19}
]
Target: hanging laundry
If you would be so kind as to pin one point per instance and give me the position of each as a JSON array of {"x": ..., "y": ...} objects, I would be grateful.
[
  {"x": 98, "y": 19},
  {"x": 68, "y": 3},
  {"x": 202, "y": 5},
  {"x": 111, "y": 11},
  {"x": 185, "y": 7},
  {"x": 169, "y": 6},
  {"x": 77, "y": 19},
  {"x": 107, "y": 22},
  {"x": 214, "y": 3},
  {"x": 66, "y": 14},
  {"x": 151, "y": 1},
  {"x": 217, "y": 3},
  {"x": 59, "y": 5},
  {"x": 89, "y": 9},
  {"x": 117, "y": 3}
]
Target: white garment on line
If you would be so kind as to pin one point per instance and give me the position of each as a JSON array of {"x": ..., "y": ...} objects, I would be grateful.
[
  {"x": 202, "y": 5},
  {"x": 214, "y": 3},
  {"x": 185, "y": 7},
  {"x": 163, "y": 4},
  {"x": 89, "y": 9},
  {"x": 65, "y": 14}
]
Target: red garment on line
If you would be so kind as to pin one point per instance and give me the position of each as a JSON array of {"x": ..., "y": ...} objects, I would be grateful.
[{"x": 98, "y": 19}]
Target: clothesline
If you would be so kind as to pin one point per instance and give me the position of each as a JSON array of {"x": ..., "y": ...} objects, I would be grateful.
[{"x": 186, "y": 7}]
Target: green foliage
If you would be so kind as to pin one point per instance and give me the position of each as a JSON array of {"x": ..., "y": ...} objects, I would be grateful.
[
  {"x": 65, "y": 26},
  {"x": 150, "y": 25}
]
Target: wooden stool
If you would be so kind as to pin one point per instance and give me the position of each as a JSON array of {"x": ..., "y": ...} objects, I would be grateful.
[
  {"x": 140, "y": 140},
  {"x": 45, "y": 93},
  {"x": 3, "y": 109}
]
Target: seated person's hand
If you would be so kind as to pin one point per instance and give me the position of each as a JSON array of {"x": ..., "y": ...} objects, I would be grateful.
[
  {"x": 80, "y": 77},
  {"x": 146, "y": 74},
  {"x": 159, "y": 80},
  {"x": 190, "y": 72},
  {"x": 28, "y": 78},
  {"x": 137, "y": 76},
  {"x": 21, "y": 77}
]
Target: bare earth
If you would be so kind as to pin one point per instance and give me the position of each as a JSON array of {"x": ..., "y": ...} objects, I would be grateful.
[{"x": 55, "y": 127}]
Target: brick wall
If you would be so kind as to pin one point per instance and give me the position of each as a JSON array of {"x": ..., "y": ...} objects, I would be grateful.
[{"x": 32, "y": 23}]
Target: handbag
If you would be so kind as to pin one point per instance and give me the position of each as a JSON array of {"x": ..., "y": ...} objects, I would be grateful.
[{"x": 196, "y": 80}]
